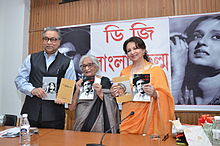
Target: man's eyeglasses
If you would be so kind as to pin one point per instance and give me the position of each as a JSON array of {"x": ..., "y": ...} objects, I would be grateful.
[
  {"x": 89, "y": 65},
  {"x": 52, "y": 40}
]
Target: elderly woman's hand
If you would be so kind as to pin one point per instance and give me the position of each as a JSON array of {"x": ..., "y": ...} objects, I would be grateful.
[
  {"x": 150, "y": 90},
  {"x": 79, "y": 84},
  {"x": 72, "y": 106},
  {"x": 98, "y": 88}
]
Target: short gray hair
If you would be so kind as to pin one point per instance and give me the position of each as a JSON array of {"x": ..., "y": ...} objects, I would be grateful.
[
  {"x": 93, "y": 58},
  {"x": 52, "y": 29},
  {"x": 122, "y": 85}
]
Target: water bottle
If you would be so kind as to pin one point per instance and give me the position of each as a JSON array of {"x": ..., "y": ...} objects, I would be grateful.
[{"x": 24, "y": 131}]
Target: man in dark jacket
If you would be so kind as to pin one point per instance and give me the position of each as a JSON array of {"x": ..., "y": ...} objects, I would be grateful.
[{"x": 37, "y": 66}]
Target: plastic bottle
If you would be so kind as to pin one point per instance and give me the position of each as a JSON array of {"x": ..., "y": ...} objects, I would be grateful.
[
  {"x": 24, "y": 131},
  {"x": 216, "y": 131}
]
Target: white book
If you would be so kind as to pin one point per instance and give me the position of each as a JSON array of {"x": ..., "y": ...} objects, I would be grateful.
[
  {"x": 86, "y": 90},
  {"x": 138, "y": 81}
]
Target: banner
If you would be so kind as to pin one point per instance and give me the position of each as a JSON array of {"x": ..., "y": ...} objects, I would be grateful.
[
  {"x": 107, "y": 43},
  {"x": 171, "y": 43}
]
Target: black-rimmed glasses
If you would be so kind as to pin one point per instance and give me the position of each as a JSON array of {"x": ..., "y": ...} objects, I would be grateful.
[
  {"x": 52, "y": 40},
  {"x": 89, "y": 65}
]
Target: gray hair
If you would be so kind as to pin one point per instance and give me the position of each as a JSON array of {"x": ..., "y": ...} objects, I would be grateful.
[
  {"x": 122, "y": 85},
  {"x": 93, "y": 58},
  {"x": 52, "y": 29}
]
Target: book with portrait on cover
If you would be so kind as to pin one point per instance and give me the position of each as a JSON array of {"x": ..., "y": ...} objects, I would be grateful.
[
  {"x": 50, "y": 87},
  {"x": 124, "y": 91},
  {"x": 86, "y": 90},
  {"x": 138, "y": 81}
]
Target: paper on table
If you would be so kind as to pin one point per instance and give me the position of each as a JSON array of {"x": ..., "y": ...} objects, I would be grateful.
[
  {"x": 196, "y": 136},
  {"x": 14, "y": 132},
  {"x": 11, "y": 132}
]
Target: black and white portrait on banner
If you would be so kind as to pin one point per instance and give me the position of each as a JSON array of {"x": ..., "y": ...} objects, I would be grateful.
[
  {"x": 195, "y": 63},
  {"x": 75, "y": 43}
]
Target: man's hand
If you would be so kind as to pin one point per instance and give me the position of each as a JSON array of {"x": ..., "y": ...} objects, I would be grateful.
[
  {"x": 58, "y": 101},
  {"x": 39, "y": 92}
]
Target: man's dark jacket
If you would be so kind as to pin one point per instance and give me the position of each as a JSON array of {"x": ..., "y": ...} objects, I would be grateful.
[{"x": 33, "y": 106}]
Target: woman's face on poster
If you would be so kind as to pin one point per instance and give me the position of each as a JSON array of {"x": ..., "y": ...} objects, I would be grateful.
[{"x": 204, "y": 49}]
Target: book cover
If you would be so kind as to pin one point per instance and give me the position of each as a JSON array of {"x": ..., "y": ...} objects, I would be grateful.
[
  {"x": 50, "y": 87},
  {"x": 124, "y": 91},
  {"x": 65, "y": 91},
  {"x": 138, "y": 81},
  {"x": 86, "y": 90}
]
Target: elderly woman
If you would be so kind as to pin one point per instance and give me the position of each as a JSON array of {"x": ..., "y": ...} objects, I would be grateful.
[{"x": 100, "y": 113}]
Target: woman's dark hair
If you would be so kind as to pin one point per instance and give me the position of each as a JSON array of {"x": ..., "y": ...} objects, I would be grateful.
[
  {"x": 191, "y": 28},
  {"x": 139, "y": 44}
]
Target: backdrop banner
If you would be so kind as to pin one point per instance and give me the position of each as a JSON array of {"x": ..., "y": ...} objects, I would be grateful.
[{"x": 171, "y": 43}]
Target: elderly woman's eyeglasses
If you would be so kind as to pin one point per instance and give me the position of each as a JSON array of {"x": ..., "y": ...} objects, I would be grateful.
[
  {"x": 52, "y": 40},
  {"x": 89, "y": 65}
]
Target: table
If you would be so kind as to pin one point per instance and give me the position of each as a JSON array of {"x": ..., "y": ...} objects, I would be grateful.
[{"x": 54, "y": 137}]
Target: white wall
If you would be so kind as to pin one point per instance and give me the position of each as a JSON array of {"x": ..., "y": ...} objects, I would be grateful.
[{"x": 14, "y": 25}]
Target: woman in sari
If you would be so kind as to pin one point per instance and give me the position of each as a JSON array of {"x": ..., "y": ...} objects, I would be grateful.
[
  {"x": 149, "y": 117},
  {"x": 100, "y": 113}
]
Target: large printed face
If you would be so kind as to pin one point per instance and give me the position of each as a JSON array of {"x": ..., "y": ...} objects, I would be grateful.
[
  {"x": 51, "y": 42},
  {"x": 204, "y": 49},
  {"x": 87, "y": 86},
  {"x": 134, "y": 53},
  {"x": 139, "y": 86}
]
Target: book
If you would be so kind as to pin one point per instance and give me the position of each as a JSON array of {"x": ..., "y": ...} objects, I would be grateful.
[
  {"x": 65, "y": 91},
  {"x": 86, "y": 90},
  {"x": 50, "y": 87},
  {"x": 124, "y": 91},
  {"x": 138, "y": 81}
]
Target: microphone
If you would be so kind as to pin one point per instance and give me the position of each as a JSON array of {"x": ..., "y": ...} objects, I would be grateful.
[{"x": 131, "y": 113}]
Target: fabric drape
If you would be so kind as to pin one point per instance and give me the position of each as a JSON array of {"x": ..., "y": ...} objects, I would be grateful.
[{"x": 150, "y": 117}]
